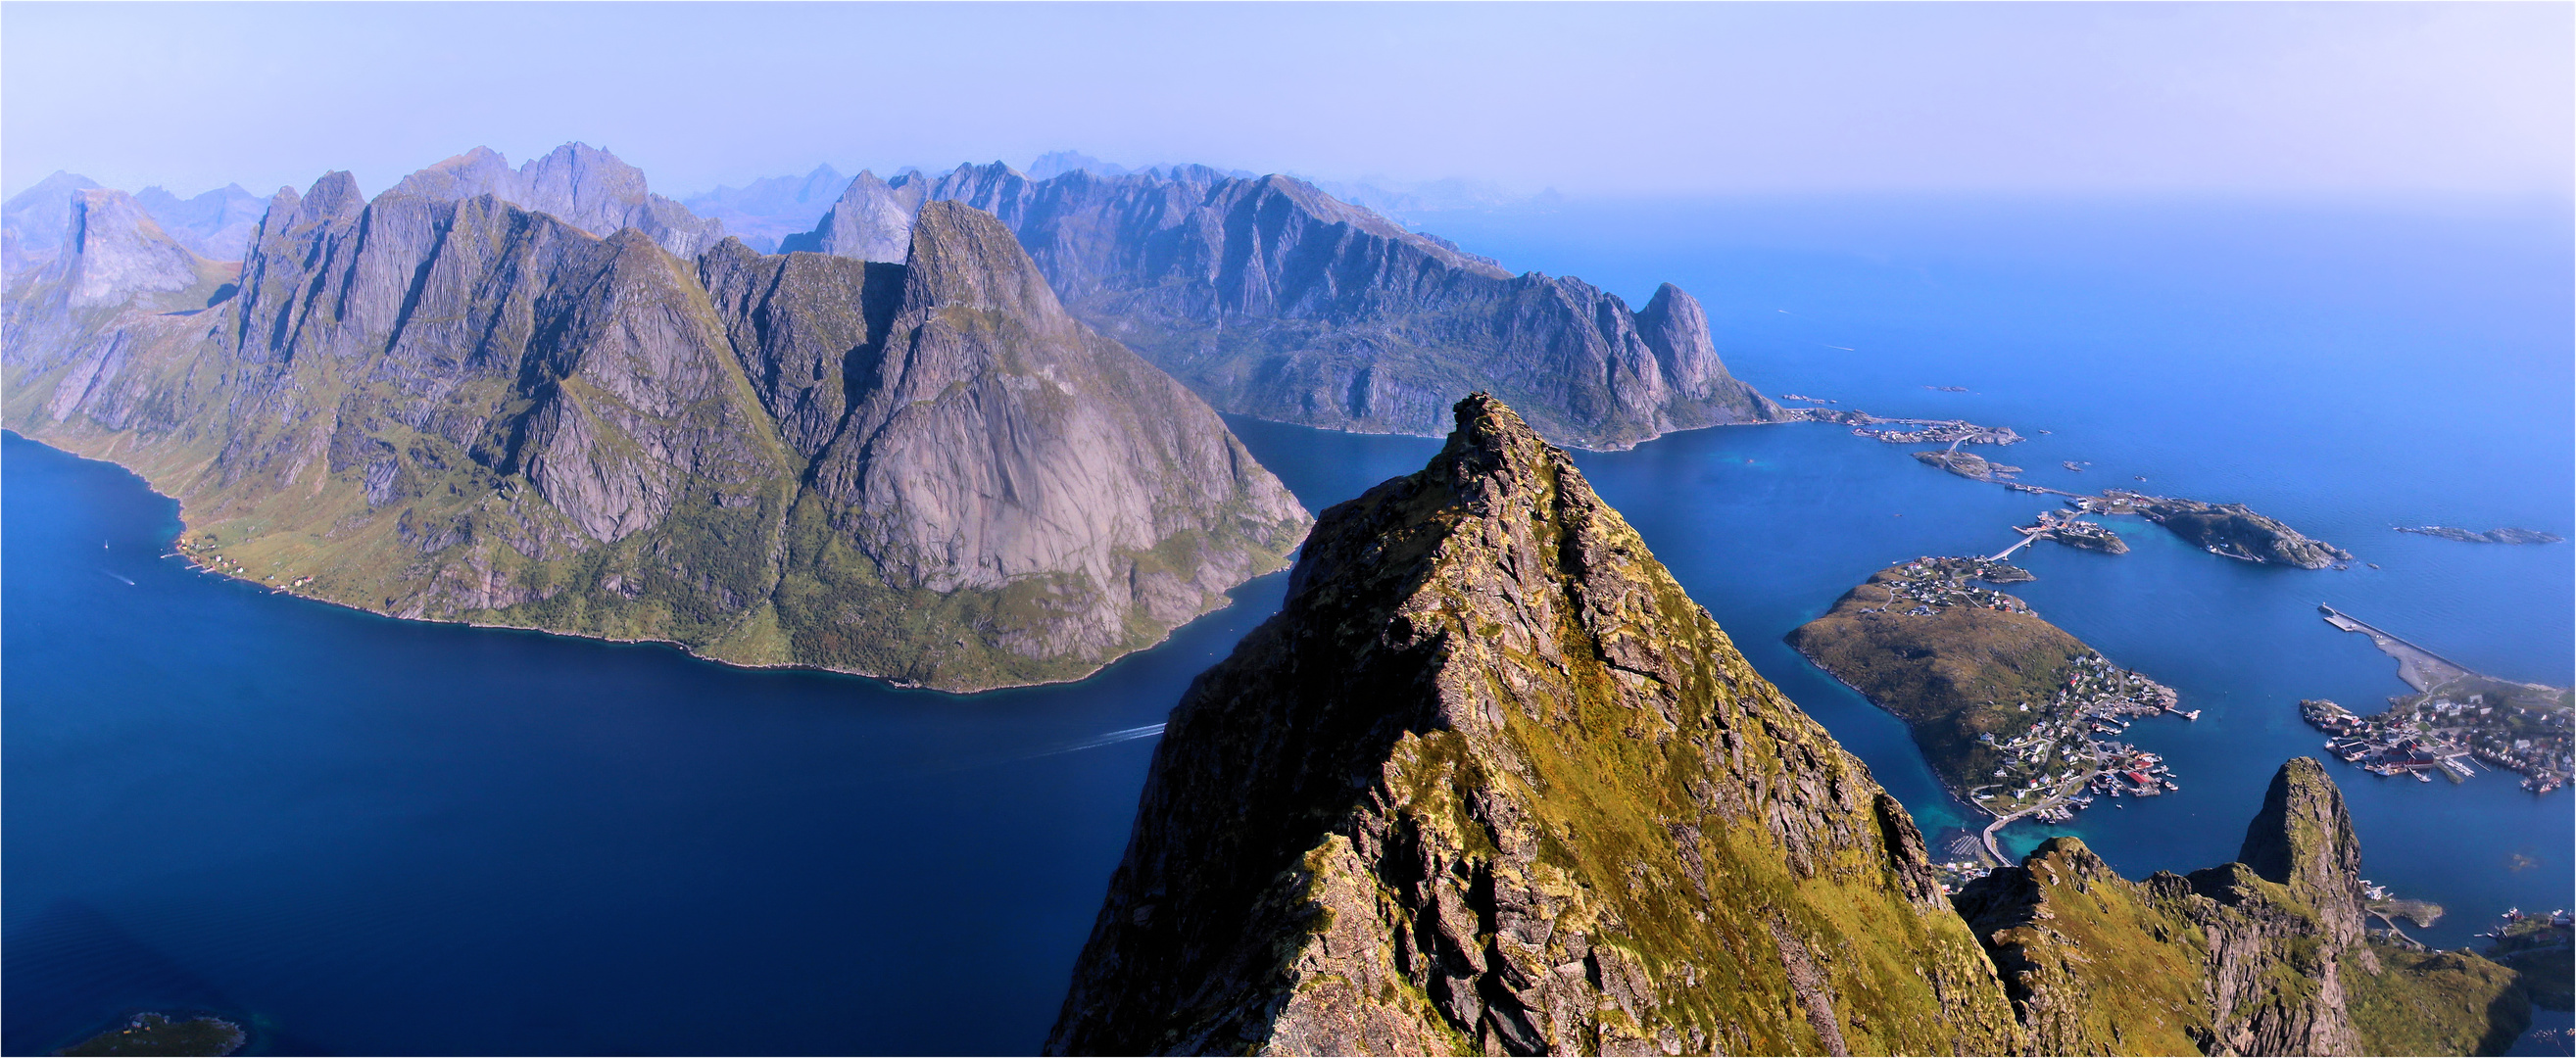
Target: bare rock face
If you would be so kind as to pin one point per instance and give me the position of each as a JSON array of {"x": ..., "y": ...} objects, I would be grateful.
[
  {"x": 115, "y": 252},
  {"x": 1491, "y": 783},
  {"x": 576, "y": 183},
  {"x": 1271, "y": 298},
  {"x": 457, "y": 408},
  {"x": 2262, "y": 956},
  {"x": 35, "y": 220},
  {"x": 872, "y": 221}
]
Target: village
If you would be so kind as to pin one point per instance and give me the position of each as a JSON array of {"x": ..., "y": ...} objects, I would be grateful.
[
  {"x": 2427, "y": 734},
  {"x": 2075, "y": 746}
]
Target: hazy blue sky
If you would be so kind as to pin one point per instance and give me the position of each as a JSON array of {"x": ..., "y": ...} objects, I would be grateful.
[{"x": 2366, "y": 99}]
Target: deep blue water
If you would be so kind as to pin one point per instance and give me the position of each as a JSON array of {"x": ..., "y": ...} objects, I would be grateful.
[{"x": 367, "y": 835}]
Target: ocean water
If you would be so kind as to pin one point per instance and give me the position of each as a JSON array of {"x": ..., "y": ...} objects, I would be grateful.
[{"x": 366, "y": 835}]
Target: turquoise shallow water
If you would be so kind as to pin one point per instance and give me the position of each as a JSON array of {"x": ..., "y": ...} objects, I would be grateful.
[{"x": 366, "y": 835}]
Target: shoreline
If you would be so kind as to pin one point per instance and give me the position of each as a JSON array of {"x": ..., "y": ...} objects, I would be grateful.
[{"x": 684, "y": 649}]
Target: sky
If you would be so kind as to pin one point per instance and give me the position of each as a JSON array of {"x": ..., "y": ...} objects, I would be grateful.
[{"x": 2303, "y": 99}]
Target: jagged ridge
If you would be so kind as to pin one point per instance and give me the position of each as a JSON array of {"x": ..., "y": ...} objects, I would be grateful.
[
  {"x": 1271, "y": 298},
  {"x": 1490, "y": 782},
  {"x": 2262, "y": 956},
  {"x": 462, "y": 409}
]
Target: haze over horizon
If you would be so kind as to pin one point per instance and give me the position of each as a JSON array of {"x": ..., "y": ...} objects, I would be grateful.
[{"x": 2332, "y": 100}]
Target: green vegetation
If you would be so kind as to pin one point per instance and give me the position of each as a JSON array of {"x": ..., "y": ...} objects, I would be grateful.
[
  {"x": 2012, "y": 713},
  {"x": 2442, "y": 1002}
]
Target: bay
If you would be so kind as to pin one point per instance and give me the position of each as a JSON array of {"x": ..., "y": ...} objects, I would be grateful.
[{"x": 366, "y": 835}]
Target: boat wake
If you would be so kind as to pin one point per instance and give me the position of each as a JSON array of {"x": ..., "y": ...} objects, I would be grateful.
[{"x": 1095, "y": 742}]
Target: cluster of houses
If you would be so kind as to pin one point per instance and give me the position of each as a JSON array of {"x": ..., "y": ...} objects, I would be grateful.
[
  {"x": 2099, "y": 702},
  {"x": 2436, "y": 736}
]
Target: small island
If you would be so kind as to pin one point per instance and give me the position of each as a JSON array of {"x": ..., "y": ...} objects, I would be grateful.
[
  {"x": 152, "y": 1033},
  {"x": 2491, "y": 536},
  {"x": 2014, "y": 715},
  {"x": 1968, "y": 465}
]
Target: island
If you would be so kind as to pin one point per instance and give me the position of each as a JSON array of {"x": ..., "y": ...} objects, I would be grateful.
[
  {"x": 2077, "y": 533},
  {"x": 1968, "y": 465},
  {"x": 2455, "y": 717},
  {"x": 153, "y": 1033},
  {"x": 2491, "y": 536},
  {"x": 2014, "y": 715},
  {"x": 1931, "y": 431}
]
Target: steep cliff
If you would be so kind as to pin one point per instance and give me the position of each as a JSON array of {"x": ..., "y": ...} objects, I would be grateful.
[
  {"x": 1491, "y": 783},
  {"x": 2262, "y": 956},
  {"x": 33, "y": 221},
  {"x": 1271, "y": 298},
  {"x": 457, "y": 408}
]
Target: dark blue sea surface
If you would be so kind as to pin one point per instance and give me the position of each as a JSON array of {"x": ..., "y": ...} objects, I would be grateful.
[{"x": 367, "y": 835}]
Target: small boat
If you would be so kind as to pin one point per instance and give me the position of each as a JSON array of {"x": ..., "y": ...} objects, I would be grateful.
[{"x": 2421, "y": 777}]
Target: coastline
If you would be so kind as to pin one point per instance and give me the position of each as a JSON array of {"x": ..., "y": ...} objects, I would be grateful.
[{"x": 194, "y": 565}]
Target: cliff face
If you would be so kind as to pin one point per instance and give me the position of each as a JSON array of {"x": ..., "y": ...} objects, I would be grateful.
[
  {"x": 33, "y": 221},
  {"x": 576, "y": 183},
  {"x": 1491, "y": 783},
  {"x": 2262, "y": 956},
  {"x": 1270, "y": 298},
  {"x": 461, "y": 409}
]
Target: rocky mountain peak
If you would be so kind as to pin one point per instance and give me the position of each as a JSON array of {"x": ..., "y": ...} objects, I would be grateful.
[
  {"x": 1491, "y": 783},
  {"x": 334, "y": 197},
  {"x": 2302, "y": 838},
  {"x": 872, "y": 221},
  {"x": 36, "y": 219},
  {"x": 584, "y": 186},
  {"x": 115, "y": 252},
  {"x": 962, "y": 258}
]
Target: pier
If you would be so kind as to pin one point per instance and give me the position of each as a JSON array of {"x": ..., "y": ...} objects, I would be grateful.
[{"x": 2420, "y": 668}]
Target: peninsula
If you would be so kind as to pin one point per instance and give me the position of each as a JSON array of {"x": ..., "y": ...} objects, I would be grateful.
[
  {"x": 2015, "y": 716},
  {"x": 2455, "y": 716}
]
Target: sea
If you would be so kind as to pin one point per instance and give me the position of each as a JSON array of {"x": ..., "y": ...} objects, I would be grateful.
[{"x": 355, "y": 834}]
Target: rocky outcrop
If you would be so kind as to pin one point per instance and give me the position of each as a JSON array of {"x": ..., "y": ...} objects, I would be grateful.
[
  {"x": 1271, "y": 298},
  {"x": 461, "y": 409},
  {"x": 2263, "y": 956},
  {"x": 576, "y": 183},
  {"x": 871, "y": 221},
  {"x": 1491, "y": 783}
]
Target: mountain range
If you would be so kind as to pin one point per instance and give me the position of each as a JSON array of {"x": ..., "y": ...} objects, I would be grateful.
[
  {"x": 1263, "y": 294},
  {"x": 444, "y": 404}
]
